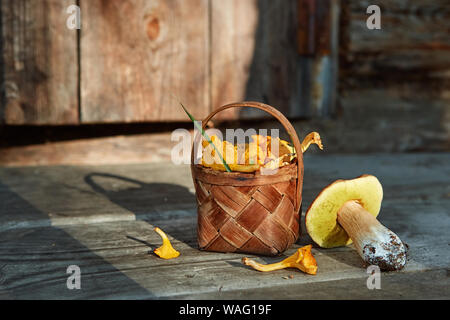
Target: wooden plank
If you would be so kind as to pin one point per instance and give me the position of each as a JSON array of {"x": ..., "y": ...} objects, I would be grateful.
[
  {"x": 136, "y": 57},
  {"x": 417, "y": 116},
  {"x": 318, "y": 92},
  {"x": 409, "y": 54},
  {"x": 115, "y": 261},
  {"x": 402, "y": 118},
  {"x": 63, "y": 195},
  {"x": 422, "y": 7},
  {"x": 397, "y": 75},
  {"x": 314, "y": 27},
  {"x": 233, "y": 30},
  {"x": 413, "y": 64},
  {"x": 111, "y": 150},
  {"x": 39, "y": 63},
  {"x": 401, "y": 32},
  {"x": 94, "y": 194},
  {"x": 255, "y": 57},
  {"x": 114, "y": 257},
  {"x": 424, "y": 285}
]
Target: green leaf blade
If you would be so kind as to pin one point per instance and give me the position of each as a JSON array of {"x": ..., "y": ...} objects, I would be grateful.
[{"x": 205, "y": 135}]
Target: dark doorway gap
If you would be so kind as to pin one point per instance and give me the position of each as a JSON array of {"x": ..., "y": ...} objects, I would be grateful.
[{"x": 23, "y": 135}]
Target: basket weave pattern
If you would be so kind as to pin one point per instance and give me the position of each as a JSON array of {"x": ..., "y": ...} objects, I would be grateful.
[
  {"x": 258, "y": 219},
  {"x": 249, "y": 212}
]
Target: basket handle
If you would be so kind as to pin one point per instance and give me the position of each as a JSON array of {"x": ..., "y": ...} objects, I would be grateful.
[{"x": 286, "y": 124}]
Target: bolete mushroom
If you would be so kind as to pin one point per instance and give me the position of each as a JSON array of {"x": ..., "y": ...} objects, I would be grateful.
[{"x": 346, "y": 211}]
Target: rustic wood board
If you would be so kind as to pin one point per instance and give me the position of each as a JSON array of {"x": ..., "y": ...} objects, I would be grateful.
[
  {"x": 233, "y": 29},
  {"x": 93, "y": 194},
  {"x": 123, "y": 192},
  {"x": 409, "y": 55},
  {"x": 52, "y": 217},
  {"x": 403, "y": 6},
  {"x": 421, "y": 29},
  {"x": 255, "y": 56},
  {"x": 139, "y": 57},
  {"x": 39, "y": 63},
  {"x": 408, "y": 119},
  {"x": 402, "y": 119},
  {"x": 106, "y": 150},
  {"x": 399, "y": 286},
  {"x": 116, "y": 263}
]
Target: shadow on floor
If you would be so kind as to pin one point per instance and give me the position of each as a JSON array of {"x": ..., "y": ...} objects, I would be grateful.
[
  {"x": 168, "y": 206},
  {"x": 34, "y": 260}
]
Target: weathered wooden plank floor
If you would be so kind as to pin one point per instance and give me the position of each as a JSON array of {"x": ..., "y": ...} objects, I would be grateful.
[{"x": 101, "y": 219}]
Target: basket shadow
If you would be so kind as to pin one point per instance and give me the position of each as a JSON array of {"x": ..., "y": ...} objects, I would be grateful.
[{"x": 169, "y": 206}]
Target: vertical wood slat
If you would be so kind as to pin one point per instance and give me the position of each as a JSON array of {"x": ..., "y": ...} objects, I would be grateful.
[
  {"x": 39, "y": 72},
  {"x": 233, "y": 27},
  {"x": 137, "y": 56},
  {"x": 254, "y": 54},
  {"x": 255, "y": 57},
  {"x": 318, "y": 23}
]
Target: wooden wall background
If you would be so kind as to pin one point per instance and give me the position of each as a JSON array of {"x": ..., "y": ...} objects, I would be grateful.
[
  {"x": 411, "y": 54},
  {"x": 39, "y": 63},
  {"x": 393, "y": 85},
  {"x": 147, "y": 52},
  {"x": 132, "y": 60}
]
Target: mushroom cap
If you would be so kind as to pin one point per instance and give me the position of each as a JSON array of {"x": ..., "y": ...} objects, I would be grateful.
[{"x": 321, "y": 217}]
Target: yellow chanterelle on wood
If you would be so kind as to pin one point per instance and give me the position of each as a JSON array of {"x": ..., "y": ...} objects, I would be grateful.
[
  {"x": 166, "y": 251},
  {"x": 302, "y": 259}
]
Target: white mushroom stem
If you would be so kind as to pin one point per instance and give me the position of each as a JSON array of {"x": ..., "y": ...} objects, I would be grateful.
[{"x": 375, "y": 243}]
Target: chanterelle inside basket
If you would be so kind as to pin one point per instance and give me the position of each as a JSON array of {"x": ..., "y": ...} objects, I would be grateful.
[{"x": 252, "y": 156}]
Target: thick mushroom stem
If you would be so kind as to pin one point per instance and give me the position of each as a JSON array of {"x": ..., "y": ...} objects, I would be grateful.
[{"x": 375, "y": 243}]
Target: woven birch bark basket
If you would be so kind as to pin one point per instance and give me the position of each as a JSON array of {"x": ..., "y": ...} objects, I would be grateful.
[{"x": 249, "y": 212}]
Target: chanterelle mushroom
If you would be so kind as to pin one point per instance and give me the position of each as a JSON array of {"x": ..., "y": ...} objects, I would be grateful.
[
  {"x": 166, "y": 251},
  {"x": 302, "y": 259},
  {"x": 346, "y": 210},
  {"x": 313, "y": 137}
]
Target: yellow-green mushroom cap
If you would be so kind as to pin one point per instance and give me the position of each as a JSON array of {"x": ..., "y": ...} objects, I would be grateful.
[{"x": 321, "y": 217}]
